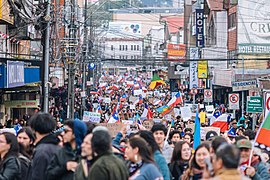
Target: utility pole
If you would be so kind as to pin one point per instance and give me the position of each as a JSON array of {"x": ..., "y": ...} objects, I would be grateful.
[
  {"x": 46, "y": 56},
  {"x": 72, "y": 44},
  {"x": 84, "y": 62}
]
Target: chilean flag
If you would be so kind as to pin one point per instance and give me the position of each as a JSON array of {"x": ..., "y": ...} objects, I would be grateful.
[
  {"x": 221, "y": 122},
  {"x": 157, "y": 102},
  {"x": 123, "y": 98},
  {"x": 120, "y": 79},
  {"x": 147, "y": 113},
  {"x": 130, "y": 83},
  {"x": 115, "y": 87},
  {"x": 139, "y": 100},
  {"x": 176, "y": 99},
  {"x": 94, "y": 92},
  {"x": 99, "y": 110},
  {"x": 102, "y": 85},
  {"x": 114, "y": 118}
]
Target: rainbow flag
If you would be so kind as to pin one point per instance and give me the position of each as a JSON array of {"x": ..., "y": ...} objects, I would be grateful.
[
  {"x": 264, "y": 132},
  {"x": 164, "y": 110}
]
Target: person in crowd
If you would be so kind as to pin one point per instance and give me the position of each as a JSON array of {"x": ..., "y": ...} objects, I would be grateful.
[
  {"x": 216, "y": 142},
  {"x": 105, "y": 164},
  {"x": 198, "y": 163},
  {"x": 159, "y": 131},
  {"x": 46, "y": 144},
  {"x": 10, "y": 167},
  {"x": 249, "y": 134},
  {"x": 84, "y": 166},
  {"x": 142, "y": 165},
  {"x": 26, "y": 139},
  {"x": 188, "y": 138},
  {"x": 225, "y": 163},
  {"x": 65, "y": 161},
  {"x": 175, "y": 136},
  {"x": 180, "y": 158},
  {"x": 159, "y": 159},
  {"x": 210, "y": 135},
  {"x": 257, "y": 170}
]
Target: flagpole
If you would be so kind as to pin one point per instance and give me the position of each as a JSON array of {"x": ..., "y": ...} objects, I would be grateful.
[{"x": 167, "y": 136}]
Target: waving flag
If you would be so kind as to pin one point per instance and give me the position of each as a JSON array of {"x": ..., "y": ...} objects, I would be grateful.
[
  {"x": 99, "y": 110},
  {"x": 120, "y": 79},
  {"x": 157, "y": 102},
  {"x": 197, "y": 132},
  {"x": 139, "y": 100},
  {"x": 147, "y": 113},
  {"x": 94, "y": 92},
  {"x": 123, "y": 98},
  {"x": 156, "y": 81},
  {"x": 263, "y": 134},
  {"x": 115, "y": 87},
  {"x": 176, "y": 99},
  {"x": 114, "y": 118},
  {"x": 221, "y": 122},
  {"x": 102, "y": 85},
  {"x": 164, "y": 110}
]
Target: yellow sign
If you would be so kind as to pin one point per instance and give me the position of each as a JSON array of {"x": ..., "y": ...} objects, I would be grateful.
[
  {"x": 22, "y": 104},
  {"x": 202, "y": 69}
]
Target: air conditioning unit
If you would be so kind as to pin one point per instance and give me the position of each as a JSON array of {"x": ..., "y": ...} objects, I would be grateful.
[{"x": 193, "y": 30}]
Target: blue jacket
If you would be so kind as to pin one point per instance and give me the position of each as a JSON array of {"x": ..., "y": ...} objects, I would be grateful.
[
  {"x": 162, "y": 165},
  {"x": 261, "y": 172}
]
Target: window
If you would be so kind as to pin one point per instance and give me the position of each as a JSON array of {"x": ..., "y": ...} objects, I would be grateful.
[
  {"x": 232, "y": 21},
  {"x": 126, "y": 47},
  {"x": 138, "y": 48},
  {"x": 120, "y": 47},
  {"x": 131, "y": 47},
  {"x": 111, "y": 47}
]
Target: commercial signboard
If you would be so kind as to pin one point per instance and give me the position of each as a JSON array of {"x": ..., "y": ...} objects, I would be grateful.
[
  {"x": 176, "y": 52},
  {"x": 254, "y": 104},
  {"x": 131, "y": 28},
  {"x": 15, "y": 74},
  {"x": 199, "y": 27},
  {"x": 253, "y": 27},
  {"x": 22, "y": 104},
  {"x": 244, "y": 85},
  {"x": 193, "y": 68},
  {"x": 202, "y": 69}
]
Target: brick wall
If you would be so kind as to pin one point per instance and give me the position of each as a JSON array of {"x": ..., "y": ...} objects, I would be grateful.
[{"x": 232, "y": 33}]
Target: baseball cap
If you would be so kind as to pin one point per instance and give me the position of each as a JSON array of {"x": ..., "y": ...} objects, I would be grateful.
[
  {"x": 210, "y": 134},
  {"x": 244, "y": 143}
]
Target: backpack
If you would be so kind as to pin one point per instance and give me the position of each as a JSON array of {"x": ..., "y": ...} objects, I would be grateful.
[{"x": 25, "y": 166}]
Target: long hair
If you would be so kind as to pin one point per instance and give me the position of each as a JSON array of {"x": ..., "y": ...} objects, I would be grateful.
[
  {"x": 11, "y": 139},
  {"x": 149, "y": 138},
  {"x": 144, "y": 149},
  {"x": 177, "y": 151},
  {"x": 194, "y": 164},
  {"x": 27, "y": 151}
]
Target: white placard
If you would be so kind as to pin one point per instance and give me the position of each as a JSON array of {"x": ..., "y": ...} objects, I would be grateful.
[
  {"x": 185, "y": 113},
  {"x": 209, "y": 108},
  {"x": 91, "y": 116},
  {"x": 176, "y": 112},
  {"x": 138, "y": 92},
  {"x": 83, "y": 94},
  {"x": 107, "y": 100},
  {"x": 132, "y": 106}
]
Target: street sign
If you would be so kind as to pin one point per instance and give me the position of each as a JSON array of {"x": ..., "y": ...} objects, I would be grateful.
[
  {"x": 208, "y": 95},
  {"x": 92, "y": 66},
  {"x": 244, "y": 85},
  {"x": 254, "y": 104},
  {"x": 234, "y": 101},
  {"x": 194, "y": 91},
  {"x": 267, "y": 103}
]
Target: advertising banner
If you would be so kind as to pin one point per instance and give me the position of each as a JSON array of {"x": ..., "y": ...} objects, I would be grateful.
[
  {"x": 253, "y": 27},
  {"x": 193, "y": 69},
  {"x": 15, "y": 74},
  {"x": 176, "y": 52},
  {"x": 202, "y": 69}
]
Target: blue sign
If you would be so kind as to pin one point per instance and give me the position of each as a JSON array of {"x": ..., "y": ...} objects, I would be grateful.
[
  {"x": 199, "y": 27},
  {"x": 15, "y": 74},
  {"x": 92, "y": 66}
]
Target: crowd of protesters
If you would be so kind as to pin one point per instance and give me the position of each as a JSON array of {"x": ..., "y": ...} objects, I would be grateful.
[{"x": 82, "y": 150}]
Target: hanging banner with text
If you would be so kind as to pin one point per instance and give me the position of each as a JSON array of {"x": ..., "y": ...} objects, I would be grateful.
[
  {"x": 193, "y": 68},
  {"x": 202, "y": 69}
]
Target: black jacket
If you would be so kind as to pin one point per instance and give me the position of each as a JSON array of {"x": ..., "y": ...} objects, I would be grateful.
[
  {"x": 177, "y": 169},
  {"x": 43, "y": 153},
  {"x": 57, "y": 168},
  {"x": 10, "y": 169}
]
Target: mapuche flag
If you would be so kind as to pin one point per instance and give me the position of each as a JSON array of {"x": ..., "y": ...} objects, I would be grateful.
[
  {"x": 156, "y": 81},
  {"x": 264, "y": 132}
]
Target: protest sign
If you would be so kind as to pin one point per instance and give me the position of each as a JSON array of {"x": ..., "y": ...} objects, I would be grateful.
[
  {"x": 138, "y": 92},
  {"x": 132, "y": 106},
  {"x": 157, "y": 121},
  {"x": 185, "y": 113},
  {"x": 93, "y": 117},
  {"x": 113, "y": 128},
  {"x": 176, "y": 112},
  {"x": 107, "y": 100},
  {"x": 209, "y": 108},
  {"x": 147, "y": 124}
]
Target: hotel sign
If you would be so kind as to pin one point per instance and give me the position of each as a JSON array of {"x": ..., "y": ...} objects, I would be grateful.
[
  {"x": 199, "y": 28},
  {"x": 244, "y": 85}
]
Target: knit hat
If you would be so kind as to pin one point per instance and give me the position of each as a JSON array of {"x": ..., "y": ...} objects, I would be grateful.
[{"x": 79, "y": 131}]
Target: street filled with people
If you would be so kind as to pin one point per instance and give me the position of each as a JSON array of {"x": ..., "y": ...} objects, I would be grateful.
[{"x": 136, "y": 129}]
